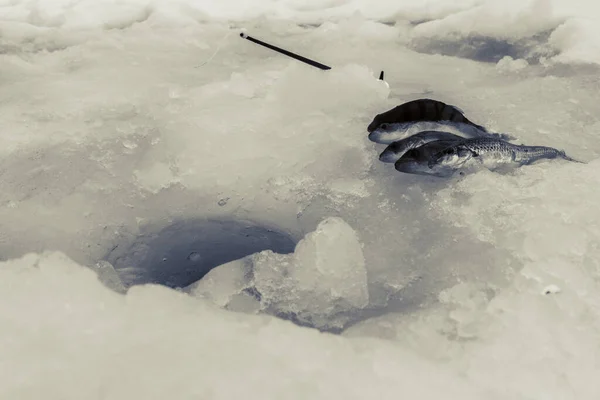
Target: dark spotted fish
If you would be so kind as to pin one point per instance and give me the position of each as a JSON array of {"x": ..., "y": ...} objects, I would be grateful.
[
  {"x": 422, "y": 110},
  {"x": 421, "y": 115},
  {"x": 397, "y": 149},
  {"x": 492, "y": 154}
]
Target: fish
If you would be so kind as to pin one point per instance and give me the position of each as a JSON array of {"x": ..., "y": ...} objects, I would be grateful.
[
  {"x": 424, "y": 115},
  {"x": 397, "y": 149},
  {"x": 416, "y": 160},
  {"x": 492, "y": 154},
  {"x": 421, "y": 110},
  {"x": 389, "y": 133}
]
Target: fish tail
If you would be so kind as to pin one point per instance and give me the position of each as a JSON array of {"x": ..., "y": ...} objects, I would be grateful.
[{"x": 566, "y": 157}]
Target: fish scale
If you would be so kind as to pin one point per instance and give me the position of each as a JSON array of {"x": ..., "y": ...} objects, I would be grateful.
[
  {"x": 492, "y": 153},
  {"x": 518, "y": 153}
]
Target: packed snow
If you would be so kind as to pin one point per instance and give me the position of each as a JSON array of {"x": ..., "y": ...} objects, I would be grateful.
[{"x": 186, "y": 214}]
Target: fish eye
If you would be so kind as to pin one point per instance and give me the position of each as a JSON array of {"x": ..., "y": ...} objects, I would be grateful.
[{"x": 384, "y": 125}]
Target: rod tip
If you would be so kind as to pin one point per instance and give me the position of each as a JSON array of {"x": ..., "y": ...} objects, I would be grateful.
[{"x": 243, "y": 35}]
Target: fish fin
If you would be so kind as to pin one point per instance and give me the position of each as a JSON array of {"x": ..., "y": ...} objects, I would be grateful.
[
  {"x": 566, "y": 157},
  {"x": 479, "y": 127},
  {"x": 504, "y": 136},
  {"x": 460, "y": 110}
]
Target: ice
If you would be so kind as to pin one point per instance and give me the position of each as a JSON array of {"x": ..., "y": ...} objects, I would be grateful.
[
  {"x": 223, "y": 285},
  {"x": 145, "y": 143},
  {"x": 328, "y": 265},
  {"x": 322, "y": 284},
  {"x": 109, "y": 276},
  {"x": 555, "y": 30},
  {"x": 509, "y": 65},
  {"x": 493, "y": 19},
  {"x": 577, "y": 40}
]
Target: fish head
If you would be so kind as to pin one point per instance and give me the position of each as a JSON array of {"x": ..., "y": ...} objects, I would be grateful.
[
  {"x": 388, "y": 156},
  {"x": 378, "y": 120},
  {"x": 419, "y": 166},
  {"x": 410, "y": 165},
  {"x": 393, "y": 152},
  {"x": 413, "y": 161},
  {"x": 388, "y": 132},
  {"x": 452, "y": 157}
]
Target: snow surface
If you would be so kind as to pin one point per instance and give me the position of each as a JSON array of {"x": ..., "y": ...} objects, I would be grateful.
[{"x": 123, "y": 120}]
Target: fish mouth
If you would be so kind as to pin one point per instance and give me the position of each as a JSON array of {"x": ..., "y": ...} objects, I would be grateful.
[
  {"x": 438, "y": 168},
  {"x": 389, "y": 157},
  {"x": 383, "y": 137},
  {"x": 414, "y": 167},
  {"x": 375, "y": 136},
  {"x": 408, "y": 166},
  {"x": 372, "y": 126}
]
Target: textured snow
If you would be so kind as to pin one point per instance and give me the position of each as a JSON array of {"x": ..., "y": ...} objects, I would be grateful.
[{"x": 134, "y": 130}]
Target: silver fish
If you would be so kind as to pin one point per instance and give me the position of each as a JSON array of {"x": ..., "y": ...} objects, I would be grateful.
[
  {"x": 397, "y": 149},
  {"x": 416, "y": 160},
  {"x": 492, "y": 154},
  {"x": 388, "y": 133},
  {"x": 424, "y": 115}
]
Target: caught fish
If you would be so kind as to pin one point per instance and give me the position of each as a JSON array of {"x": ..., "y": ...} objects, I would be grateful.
[
  {"x": 421, "y": 110},
  {"x": 424, "y": 115},
  {"x": 416, "y": 160},
  {"x": 397, "y": 149},
  {"x": 492, "y": 154}
]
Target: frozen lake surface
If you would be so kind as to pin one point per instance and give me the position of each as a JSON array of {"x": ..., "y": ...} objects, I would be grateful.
[{"x": 145, "y": 143}]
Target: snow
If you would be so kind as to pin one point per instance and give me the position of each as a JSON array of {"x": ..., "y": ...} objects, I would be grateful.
[
  {"x": 145, "y": 142},
  {"x": 157, "y": 343}
]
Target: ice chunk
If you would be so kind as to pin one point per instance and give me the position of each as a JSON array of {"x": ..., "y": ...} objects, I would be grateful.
[
  {"x": 223, "y": 283},
  {"x": 320, "y": 284},
  {"x": 108, "y": 276},
  {"x": 325, "y": 276},
  {"x": 508, "y": 64}
]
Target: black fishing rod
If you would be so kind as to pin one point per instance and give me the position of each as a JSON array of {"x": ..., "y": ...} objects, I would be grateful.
[
  {"x": 287, "y": 53},
  {"x": 292, "y": 55}
]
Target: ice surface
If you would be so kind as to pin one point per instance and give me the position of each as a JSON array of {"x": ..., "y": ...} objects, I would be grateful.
[
  {"x": 125, "y": 120},
  {"x": 73, "y": 338}
]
